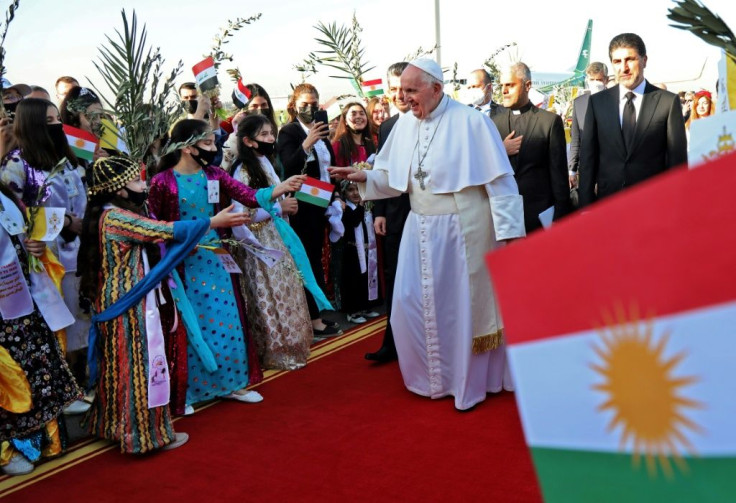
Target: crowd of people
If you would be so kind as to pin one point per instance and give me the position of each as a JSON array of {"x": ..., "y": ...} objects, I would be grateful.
[{"x": 181, "y": 286}]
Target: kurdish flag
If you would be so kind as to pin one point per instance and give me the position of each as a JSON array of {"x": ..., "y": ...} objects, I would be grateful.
[
  {"x": 205, "y": 74},
  {"x": 82, "y": 143},
  {"x": 372, "y": 88},
  {"x": 621, "y": 333},
  {"x": 315, "y": 191}
]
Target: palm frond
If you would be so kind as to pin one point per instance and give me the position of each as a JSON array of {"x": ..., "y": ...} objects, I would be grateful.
[
  {"x": 693, "y": 16},
  {"x": 140, "y": 95}
]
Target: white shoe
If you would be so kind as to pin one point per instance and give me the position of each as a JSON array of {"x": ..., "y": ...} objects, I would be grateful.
[
  {"x": 249, "y": 396},
  {"x": 76, "y": 407},
  {"x": 188, "y": 410},
  {"x": 18, "y": 465},
  {"x": 356, "y": 318},
  {"x": 180, "y": 439},
  {"x": 370, "y": 314}
]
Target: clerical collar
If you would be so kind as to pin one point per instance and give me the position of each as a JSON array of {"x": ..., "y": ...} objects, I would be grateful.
[
  {"x": 523, "y": 109},
  {"x": 437, "y": 112}
]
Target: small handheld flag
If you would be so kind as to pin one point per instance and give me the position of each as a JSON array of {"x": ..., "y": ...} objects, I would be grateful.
[
  {"x": 241, "y": 94},
  {"x": 82, "y": 143},
  {"x": 316, "y": 192},
  {"x": 372, "y": 88},
  {"x": 205, "y": 74}
]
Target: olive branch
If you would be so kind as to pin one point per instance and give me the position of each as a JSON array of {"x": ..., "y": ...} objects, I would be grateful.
[{"x": 9, "y": 16}]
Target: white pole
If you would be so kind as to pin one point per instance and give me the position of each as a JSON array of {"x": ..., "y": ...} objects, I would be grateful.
[{"x": 437, "y": 31}]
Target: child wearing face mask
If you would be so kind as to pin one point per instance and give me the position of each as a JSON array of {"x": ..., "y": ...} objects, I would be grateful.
[
  {"x": 273, "y": 289},
  {"x": 42, "y": 144},
  {"x": 359, "y": 274},
  {"x": 188, "y": 187}
]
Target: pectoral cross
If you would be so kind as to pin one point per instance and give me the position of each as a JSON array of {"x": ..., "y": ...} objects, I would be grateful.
[{"x": 420, "y": 175}]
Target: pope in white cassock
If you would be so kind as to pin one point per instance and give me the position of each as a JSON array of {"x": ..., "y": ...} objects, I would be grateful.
[{"x": 464, "y": 202}]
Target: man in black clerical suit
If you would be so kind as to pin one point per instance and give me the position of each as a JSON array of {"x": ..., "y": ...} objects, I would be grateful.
[
  {"x": 389, "y": 216},
  {"x": 535, "y": 143},
  {"x": 632, "y": 131},
  {"x": 596, "y": 80}
]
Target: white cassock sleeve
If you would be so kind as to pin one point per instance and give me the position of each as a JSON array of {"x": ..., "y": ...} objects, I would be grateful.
[
  {"x": 507, "y": 208},
  {"x": 376, "y": 186}
]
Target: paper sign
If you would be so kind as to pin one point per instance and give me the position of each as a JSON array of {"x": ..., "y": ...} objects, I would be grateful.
[
  {"x": 48, "y": 224},
  {"x": 10, "y": 216},
  {"x": 227, "y": 261},
  {"x": 213, "y": 191},
  {"x": 711, "y": 137},
  {"x": 15, "y": 297}
]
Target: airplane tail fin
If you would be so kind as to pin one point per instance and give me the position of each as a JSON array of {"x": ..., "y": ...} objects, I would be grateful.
[{"x": 584, "y": 57}]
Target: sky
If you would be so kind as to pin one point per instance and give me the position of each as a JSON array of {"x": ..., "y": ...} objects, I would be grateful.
[{"x": 50, "y": 38}]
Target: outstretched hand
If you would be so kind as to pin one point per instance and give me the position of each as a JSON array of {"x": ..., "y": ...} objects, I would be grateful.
[
  {"x": 352, "y": 174},
  {"x": 227, "y": 219},
  {"x": 291, "y": 184}
]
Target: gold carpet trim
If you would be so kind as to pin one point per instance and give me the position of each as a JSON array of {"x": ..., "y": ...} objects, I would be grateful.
[{"x": 91, "y": 448}]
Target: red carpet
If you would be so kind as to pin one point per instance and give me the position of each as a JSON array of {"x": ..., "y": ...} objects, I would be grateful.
[{"x": 342, "y": 429}]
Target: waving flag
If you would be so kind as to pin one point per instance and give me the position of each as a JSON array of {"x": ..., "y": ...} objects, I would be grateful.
[
  {"x": 315, "y": 191},
  {"x": 241, "y": 94},
  {"x": 82, "y": 143},
  {"x": 205, "y": 74},
  {"x": 372, "y": 88},
  {"x": 621, "y": 336}
]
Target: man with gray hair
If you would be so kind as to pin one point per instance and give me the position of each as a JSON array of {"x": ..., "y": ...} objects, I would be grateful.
[
  {"x": 596, "y": 80},
  {"x": 464, "y": 202},
  {"x": 540, "y": 163}
]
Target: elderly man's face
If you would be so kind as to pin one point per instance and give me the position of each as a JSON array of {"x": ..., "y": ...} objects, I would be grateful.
[
  {"x": 515, "y": 90},
  {"x": 421, "y": 97}
]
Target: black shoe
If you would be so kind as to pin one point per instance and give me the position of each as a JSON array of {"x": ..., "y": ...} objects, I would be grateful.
[
  {"x": 383, "y": 355},
  {"x": 328, "y": 331},
  {"x": 331, "y": 324}
]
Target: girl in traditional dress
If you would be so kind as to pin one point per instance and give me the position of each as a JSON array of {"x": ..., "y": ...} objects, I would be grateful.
[
  {"x": 187, "y": 187},
  {"x": 277, "y": 306},
  {"x": 128, "y": 282},
  {"x": 35, "y": 381},
  {"x": 42, "y": 143}
]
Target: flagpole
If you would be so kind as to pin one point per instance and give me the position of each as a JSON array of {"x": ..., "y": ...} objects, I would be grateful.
[{"x": 437, "y": 31}]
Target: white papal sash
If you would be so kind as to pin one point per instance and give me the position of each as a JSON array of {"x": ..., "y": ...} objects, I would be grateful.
[{"x": 15, "y": 298}]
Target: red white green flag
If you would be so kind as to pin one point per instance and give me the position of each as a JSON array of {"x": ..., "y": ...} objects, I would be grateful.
[
  {"x": 372, "y": 88},
  {"x": 621, "y": 334},
  {"x": 205, "y": 74},
  {"x": 82, "y": 143},
  {"x": 315, "y": 191}
]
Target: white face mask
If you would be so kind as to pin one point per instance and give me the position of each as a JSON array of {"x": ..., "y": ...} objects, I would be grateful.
[
  {"x": 596, "y": 86},
  {"x": 475, "y": 96}
]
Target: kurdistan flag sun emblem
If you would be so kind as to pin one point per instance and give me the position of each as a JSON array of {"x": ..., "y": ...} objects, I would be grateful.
[{"x": 643, "y": 387}]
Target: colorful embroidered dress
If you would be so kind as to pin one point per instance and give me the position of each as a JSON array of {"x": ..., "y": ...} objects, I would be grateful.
[
  {"x": 277, "y": 306},
  {"x": 120, "y": 411},
  {"x": 213, "y": 293}
]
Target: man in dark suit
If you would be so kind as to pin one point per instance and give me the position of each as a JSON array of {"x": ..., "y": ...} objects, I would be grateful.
[
  {"x": 632, "y": 131},
  {"x": 539, "y": 160},
  {"x": 389, "y": 216},
  {"x": 596, "y": 80},
  {"x": 479, "y": 93}
]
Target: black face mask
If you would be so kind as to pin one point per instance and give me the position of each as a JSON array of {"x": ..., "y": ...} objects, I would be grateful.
[
  {"x": 137, "y": 198},
  {"x": 306, "y": 114},
  {"x": 10, "y": 109},
  {"x": 189, "y": 106},
  {"x": 204, "y": 157},
  {"x": 257, "y": 111},
  {"x": 58, "y": 137},
  {"x": 264, "y": 148}
]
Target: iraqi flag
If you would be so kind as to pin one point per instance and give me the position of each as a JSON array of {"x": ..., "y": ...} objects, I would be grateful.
[
  {"x": 315, "y": 191},
  {"x": 372, "y": 88},
  {"x": 621, "y": 335},
  {"x": 241, "y": 94},
  {"x": 205, "y": 74},
  {"x": 82, "y": 143}
]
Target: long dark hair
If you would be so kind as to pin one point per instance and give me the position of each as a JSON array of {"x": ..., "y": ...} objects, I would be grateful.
[
  {"x": 30, "y": 132},
  {"x": 348, "y": 149},
  {"x": 258, "y": 90},
  {"x": 250, "y": 127},
  {"x": 75, "y": 103},
  {"x": 182, "y": 131}
]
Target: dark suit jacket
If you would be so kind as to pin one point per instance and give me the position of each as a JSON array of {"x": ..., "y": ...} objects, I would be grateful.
[
  {"x": 659, "y": 142},
  {"x": 540, "y": 167},
  {"x": 579, "y": 106},
  {"x": 309, "y": 222},
  {"x": 395, "y": 209}
]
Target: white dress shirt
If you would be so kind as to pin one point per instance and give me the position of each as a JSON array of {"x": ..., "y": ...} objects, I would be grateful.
[{"x": 638, "y": 97}]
